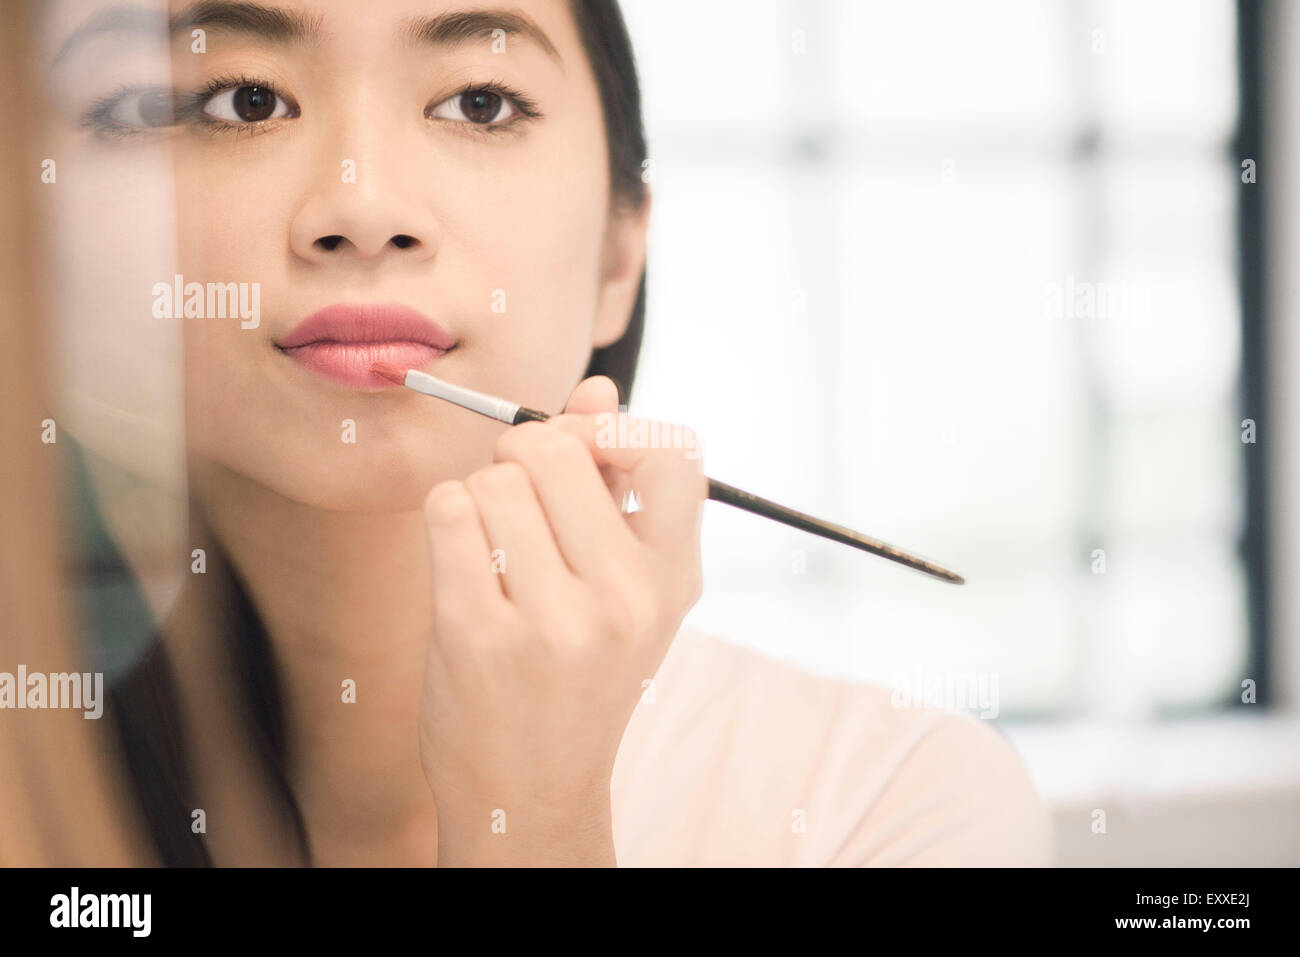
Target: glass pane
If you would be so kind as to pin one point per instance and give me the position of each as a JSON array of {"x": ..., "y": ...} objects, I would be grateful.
[
  {"x": 944, "y": 67},
  {"x": 1165, "y": 69}
]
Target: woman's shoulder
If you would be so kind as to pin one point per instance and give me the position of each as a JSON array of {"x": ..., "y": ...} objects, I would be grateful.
[{"x": 736, "y": 758}]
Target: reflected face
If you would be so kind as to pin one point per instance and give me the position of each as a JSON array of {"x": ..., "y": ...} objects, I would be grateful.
[{"x": 423, "y": 182}]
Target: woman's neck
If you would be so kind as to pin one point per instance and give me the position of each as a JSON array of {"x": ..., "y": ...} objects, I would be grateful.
[{"x": 345, "y": 602}]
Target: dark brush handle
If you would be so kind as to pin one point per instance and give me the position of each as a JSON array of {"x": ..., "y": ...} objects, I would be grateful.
[
  {"x": 746, "y": 501},
  {"x": 738, "y": 498}
]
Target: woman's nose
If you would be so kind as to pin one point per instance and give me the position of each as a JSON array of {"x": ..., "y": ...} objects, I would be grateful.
[{"x": 352, "y": 220}]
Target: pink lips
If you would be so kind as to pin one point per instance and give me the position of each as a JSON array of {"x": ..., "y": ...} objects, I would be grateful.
[{"x": 341, "y": 341}]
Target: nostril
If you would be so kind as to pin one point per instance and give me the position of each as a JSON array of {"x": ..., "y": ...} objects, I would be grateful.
[
  {"x": 329, "y": 243},
  {"x": 402, "y": 241}
]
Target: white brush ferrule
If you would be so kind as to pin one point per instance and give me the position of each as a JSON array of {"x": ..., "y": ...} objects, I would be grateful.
[{"x": 488, "y": 405}]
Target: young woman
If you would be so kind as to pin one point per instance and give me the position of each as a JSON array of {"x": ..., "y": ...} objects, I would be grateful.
[{"x": 420, "y": 636}]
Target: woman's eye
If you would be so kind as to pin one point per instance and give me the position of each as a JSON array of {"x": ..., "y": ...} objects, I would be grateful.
[
  {"x": 481, "y": 107},
  {"x": 247, "y": 104}
]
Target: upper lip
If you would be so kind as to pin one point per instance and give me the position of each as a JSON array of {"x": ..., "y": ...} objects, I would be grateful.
[{"x": 368, "y": 322}]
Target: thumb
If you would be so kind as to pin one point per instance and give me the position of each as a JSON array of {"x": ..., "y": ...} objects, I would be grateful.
[{"x": 593, "y": 396}]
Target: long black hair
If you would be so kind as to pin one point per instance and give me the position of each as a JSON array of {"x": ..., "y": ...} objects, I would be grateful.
[{"x": 144, "y": 702}]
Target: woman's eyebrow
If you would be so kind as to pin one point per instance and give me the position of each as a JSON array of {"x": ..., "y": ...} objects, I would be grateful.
[
  {"x": 234, "y": 16},
  {"x": 288, "y": 26},
  {"x": 461, "y": 26}
]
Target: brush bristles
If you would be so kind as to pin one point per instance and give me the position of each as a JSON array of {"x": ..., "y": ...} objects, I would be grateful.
[{"x": 389, "y": 371}]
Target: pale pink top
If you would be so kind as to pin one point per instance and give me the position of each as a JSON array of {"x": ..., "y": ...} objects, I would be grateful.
[{"x": 742, "y": 760}]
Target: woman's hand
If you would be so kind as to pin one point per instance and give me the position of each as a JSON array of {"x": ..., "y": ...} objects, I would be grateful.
[{"x": 552, "y": 608}]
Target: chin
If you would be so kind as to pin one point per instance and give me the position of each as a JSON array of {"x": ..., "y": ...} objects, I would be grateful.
[
  {"x": 383, "y": 475},
  {"x": 363, "y": 496},
  {"x": 395, "y": 456}
]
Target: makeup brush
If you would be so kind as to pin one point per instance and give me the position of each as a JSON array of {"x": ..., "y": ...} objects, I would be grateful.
[{"x": 512, "y": 413}]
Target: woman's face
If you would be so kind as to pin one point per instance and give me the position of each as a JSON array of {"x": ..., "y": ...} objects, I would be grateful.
[{"x": 327, "y": 153}]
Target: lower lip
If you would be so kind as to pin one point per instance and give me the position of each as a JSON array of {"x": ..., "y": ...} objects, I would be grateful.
[{"x": 348, "y": 363}]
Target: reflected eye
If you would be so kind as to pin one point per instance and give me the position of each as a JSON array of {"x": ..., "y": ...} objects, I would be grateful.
[
  {"x": 247, "y": 104},
  {"x": 152, "y": 108},
  {"x": 483, "y": 107}
]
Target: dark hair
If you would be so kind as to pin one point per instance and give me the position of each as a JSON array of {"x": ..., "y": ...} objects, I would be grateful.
[
  {"x": 604, "y": 37},
  {"x": 144, "y": 703}
]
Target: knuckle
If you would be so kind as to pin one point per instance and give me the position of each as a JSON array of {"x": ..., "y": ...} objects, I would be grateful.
[
  {"x": 573, "y": 617},
  {"x": 515, "y": 440},
  {"x": 503, "y": 479},
  {"x": 542, "y": 443},
  {"x": 448, "y": 502},
  {"x": 570, "y": 613},
  {"x": 557, "y": 446}
]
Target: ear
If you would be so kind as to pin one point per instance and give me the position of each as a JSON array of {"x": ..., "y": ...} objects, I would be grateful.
[{"x": 622, "y": 264}]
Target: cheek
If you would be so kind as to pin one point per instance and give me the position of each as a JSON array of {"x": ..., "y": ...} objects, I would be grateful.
[
  {"x": 229, "y": 394},
  {"x": 531, "y": 246},
  {"x": 231, "y": 219}
]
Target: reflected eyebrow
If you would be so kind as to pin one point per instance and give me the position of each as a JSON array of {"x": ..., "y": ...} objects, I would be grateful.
[
  {"x": 235, "y": 16},
  {"x": 451, "y": 29}
]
